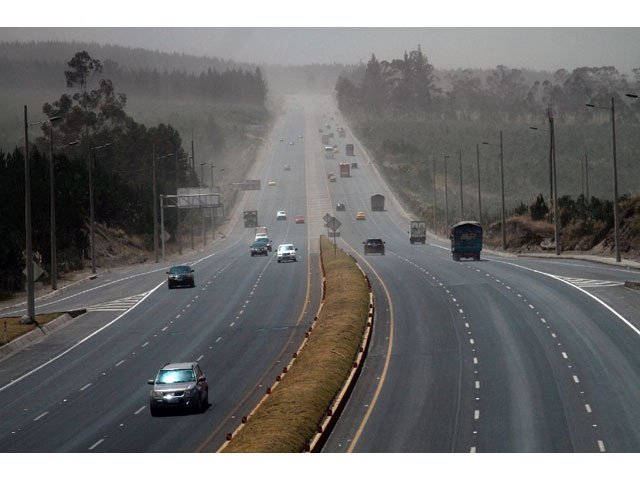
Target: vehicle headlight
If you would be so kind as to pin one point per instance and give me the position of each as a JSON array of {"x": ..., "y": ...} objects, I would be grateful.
[{"x": 156, "y": 394}]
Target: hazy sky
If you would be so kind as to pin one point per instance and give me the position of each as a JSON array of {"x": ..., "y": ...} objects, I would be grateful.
[{"x": 451, "y": 38}]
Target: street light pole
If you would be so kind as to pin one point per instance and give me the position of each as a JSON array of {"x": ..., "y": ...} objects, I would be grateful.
[
  {"x": 556, "y": 214},
  {"x": 92, "y": 155},
  {"x": 52, "y": 189},
  {"x": 433, "y": 161},
  {"x": 502, "y": 209},
  {"x": 446, "y": 200},
  {"x": 155, "y": 200},
  {"x": 504, "y": 217},
  {"x": 27, "y": 220},
  {"x": 479, "y": 196},
  {"x": 616, "y": 220},
  {"x": 616, "y": 217},
  {"x": 461, "y": 204}
]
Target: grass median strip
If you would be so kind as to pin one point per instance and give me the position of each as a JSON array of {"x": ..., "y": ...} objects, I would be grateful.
[
  {"x": 289, "y": 417},
  {"x": 15, "y": 329}
]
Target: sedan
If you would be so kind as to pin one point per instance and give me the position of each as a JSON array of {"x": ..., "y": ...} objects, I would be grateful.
[
  {"x": 180, "y": 275},
  {"x": 281, "y": 215},
  {"x": 299, "y": 218},
  {"x": 271, "y": 183},
  {"x": 361, "y": 216},
  {"x": 340, "y": 207}
]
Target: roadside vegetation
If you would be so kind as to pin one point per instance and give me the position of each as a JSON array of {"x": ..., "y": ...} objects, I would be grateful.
[
  {"x": 221, "y": 116},
  {"x": 287, "y": 420},
  {"x": 409, "y": 119}
]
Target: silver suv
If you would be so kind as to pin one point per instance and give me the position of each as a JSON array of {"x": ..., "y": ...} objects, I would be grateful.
[
  {"x": 179, "y": 385},
  {"x": 286, "y": 252}
]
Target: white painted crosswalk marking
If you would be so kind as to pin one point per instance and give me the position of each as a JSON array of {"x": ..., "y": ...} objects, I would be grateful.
[
  {"x": 120, "y": 305},
  {"x": 591, "y": 283}
]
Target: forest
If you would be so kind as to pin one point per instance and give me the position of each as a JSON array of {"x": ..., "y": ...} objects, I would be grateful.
[
  {"x": 411, "y": 119},
  {"x": 90, "y": 126}
]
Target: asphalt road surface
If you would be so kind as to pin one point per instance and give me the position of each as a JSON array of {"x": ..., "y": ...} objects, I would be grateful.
[{"x": 503, "y": 355}]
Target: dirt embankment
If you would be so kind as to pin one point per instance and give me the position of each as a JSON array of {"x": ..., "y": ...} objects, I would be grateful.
[{"x": 525, "y": 235}]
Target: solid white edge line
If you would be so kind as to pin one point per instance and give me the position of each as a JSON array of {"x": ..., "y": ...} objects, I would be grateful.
[
  {"x": 99, "y": 441},
  {"x": 629, "y": 324},
  {"x": 73, "y": 347}
]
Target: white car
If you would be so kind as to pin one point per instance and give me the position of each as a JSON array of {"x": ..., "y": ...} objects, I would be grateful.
[
  {"x": 281, "y": 215},
  {"x": 260, "y": 235},
  {"x": 286, "y": 252}
]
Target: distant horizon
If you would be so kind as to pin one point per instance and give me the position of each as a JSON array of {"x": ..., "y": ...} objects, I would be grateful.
[{"x": 536, "y": 49}]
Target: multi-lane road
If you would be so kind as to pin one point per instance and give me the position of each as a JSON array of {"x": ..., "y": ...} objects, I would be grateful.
[{"x": 505, "y": 354}]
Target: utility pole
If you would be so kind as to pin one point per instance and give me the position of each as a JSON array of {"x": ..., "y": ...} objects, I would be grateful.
[
  {"x": 616, "y": 217},
  {"x": 479, "y": 196},
  {"x": 504, "y": 217},
  {"x": 556, "y": 215},
  {"x": 31, "y": 309},
  {"x": 92, "y": 153},
  {"x": 433, "y": 161},
  {"x": 446, "y": 200},
  {"x": 461, "y": 204},
  {"x": 178, "y": 204},
  {"x": 586, "y": 174},
  {"x": 155, "y": 205}
]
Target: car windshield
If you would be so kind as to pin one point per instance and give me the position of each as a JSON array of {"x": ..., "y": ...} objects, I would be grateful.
[
  {"x": 287, "y": 247},
  {"x": 262, "y": 240},
  {"x": 175, "y": 376},
  {"x": 181, "y": 269}
]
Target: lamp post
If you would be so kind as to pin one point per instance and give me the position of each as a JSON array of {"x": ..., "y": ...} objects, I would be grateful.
[
  {"x": 54, "y": 255},
  {"x": 178, "y": 160},
  {"x": 92, "y": 153},
  {"x": 550, "y": 168},
  {"x": 461, "y": 204},
  {"x": 479, "y": 196},
  {"x": 446, "y": 200},
  {"x": 554, "y": 183},
  {"x": 433, "y": 161},
  {"x": 155, "y": 200},
  {"x": 27, "y": 215},
  {"x": 502, "y": 211},
  {"x": 203, "y": 184},
  {"x": 616, "y": 225}
]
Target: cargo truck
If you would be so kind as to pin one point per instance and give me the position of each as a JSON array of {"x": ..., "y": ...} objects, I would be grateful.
[
  {"x": 377, "y": 202},
  {"x": 345, "y": 170},
  {"x": 466, "y": 240},
  {"x": 418, "y": 232},
  {"x": 349, "y": 149},
  {"x": 250, "y": 218}
]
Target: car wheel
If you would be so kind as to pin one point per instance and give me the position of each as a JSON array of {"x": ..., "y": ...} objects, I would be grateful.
[
  {"x": 252, "y": 254},
  {"x": 154, "y": 411},
  {"x": 170, "y": 286}
]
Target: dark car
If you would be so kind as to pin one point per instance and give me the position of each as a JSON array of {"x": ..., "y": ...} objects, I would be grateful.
[
  {"x": 373, "y": 245},
  {"x": 181, "y": 275},
  {"x": 259, "y": 247},
  {"x": 340, "y": 207},
  {"x": 179, "y": 385}
]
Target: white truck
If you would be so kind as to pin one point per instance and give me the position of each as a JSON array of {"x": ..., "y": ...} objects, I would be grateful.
[{"x": 418, "y": 232}]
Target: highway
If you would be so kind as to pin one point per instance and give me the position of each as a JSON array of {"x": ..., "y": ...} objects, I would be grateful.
[
  {"x": 84, "y": 388},
  {"x": 503, "y": 355}
]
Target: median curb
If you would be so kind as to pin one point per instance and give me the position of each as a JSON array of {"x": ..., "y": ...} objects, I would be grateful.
[
  {"x": 39, "y": 333},
  {"x": 339, "y": 402},
  {"x": 633, "y": 285}
]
